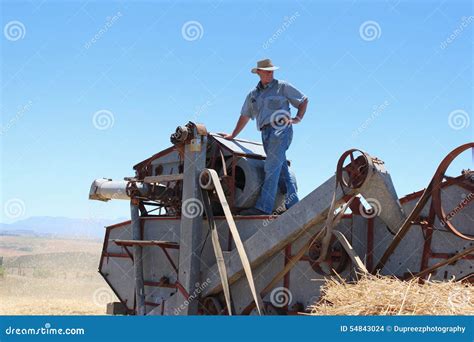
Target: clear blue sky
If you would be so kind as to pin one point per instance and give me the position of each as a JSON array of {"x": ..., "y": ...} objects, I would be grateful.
[{"x": 153, "y": 77}]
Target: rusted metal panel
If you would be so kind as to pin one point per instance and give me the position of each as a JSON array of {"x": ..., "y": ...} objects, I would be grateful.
[{"x": 240, "y": 146}]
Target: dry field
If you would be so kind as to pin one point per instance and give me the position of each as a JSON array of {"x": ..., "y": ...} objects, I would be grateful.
[{"x": 46, "y": 276}]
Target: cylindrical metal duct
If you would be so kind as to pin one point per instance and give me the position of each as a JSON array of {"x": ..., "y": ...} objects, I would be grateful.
[
  {"x": 249, "y": 177},
  {"x": 105, "y": 189}
]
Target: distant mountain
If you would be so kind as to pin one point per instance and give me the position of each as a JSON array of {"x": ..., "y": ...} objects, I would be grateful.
[
  {"x": 58, "y": 226},
  {"x": 18, "y": 232}
]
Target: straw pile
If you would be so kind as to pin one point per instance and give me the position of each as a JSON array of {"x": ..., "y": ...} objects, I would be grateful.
[{"x": 381, "y": 295}]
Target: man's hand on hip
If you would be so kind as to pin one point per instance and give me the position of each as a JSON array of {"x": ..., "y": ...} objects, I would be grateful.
[{"x": 295, "y": 120}]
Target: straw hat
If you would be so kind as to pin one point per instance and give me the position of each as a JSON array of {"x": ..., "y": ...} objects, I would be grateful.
[{"x": 264, "y": 64}]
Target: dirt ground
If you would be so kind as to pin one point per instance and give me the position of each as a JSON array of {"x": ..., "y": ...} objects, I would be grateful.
[{"x": 46, "y": 276}]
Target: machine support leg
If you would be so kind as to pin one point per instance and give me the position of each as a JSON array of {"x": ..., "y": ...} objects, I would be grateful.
[
  {"x": 137, "y": 260},
  {"x": 191, "y": 227}
]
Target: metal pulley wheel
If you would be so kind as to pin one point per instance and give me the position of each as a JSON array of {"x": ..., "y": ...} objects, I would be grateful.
[
  {"x": 336, "y": 261},
  {"x": 353, "y": 168},
  {"x": 211, "y": 306}
]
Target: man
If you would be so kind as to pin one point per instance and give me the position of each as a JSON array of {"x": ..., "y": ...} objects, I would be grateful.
[{"x": 269, "y": 103}]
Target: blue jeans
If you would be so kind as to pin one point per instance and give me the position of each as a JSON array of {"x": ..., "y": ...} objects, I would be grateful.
[{"x": 275, "y": 144}]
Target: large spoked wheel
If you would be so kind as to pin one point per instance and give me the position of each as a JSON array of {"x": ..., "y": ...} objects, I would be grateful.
[{"x": 467, "y": 183}]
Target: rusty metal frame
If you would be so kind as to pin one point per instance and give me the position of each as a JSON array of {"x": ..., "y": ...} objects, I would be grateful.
[
  {"x": 140, "y": 168},
  {"x": 107, "y": 255},
  {"x": 436, "y": 193},
  {"x": 432, "y": 191},
  {"x": 448, "y": 261}
]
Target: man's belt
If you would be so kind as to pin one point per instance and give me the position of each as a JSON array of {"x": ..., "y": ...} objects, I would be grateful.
[{"x": 275, "y": 125}]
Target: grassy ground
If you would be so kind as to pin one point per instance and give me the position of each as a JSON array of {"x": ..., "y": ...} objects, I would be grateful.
[{"x": 46, "y": 276}]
